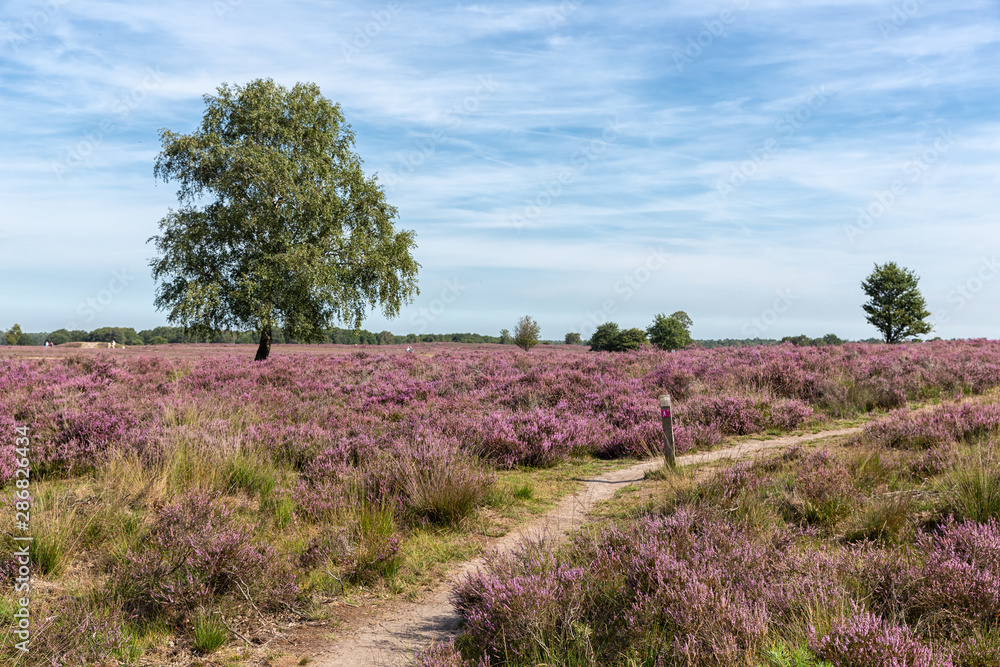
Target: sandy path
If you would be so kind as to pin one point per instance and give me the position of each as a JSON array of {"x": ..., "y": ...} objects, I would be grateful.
[{"x": 401, "y": 629}]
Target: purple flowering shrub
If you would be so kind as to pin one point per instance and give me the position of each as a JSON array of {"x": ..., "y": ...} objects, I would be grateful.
[
  {"x": 539, "y": 438},
  {"x": 511, "y": 408},
  {"x": 823, "y": 491},
  {"x": 74, "y": 632},
  {"x": 197, "y": 552},
  {"x": 689, "y": 588},
  {"x": 8, "y": 447},
  {"x": 947, "y": 583},
  {"x": 928, "y": 429},
  {"x": 932, "y": 462},
  {"x": 362, "y": 447},
  {"x": 695, "y": 435},
  {"x": 865, "y": 640}
]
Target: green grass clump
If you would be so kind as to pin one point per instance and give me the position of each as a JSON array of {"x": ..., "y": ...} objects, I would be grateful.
[
  {"x": 209, "y": 633},
  {"x": 972, "y": 488},
  {"x": 248, "y": 473}
]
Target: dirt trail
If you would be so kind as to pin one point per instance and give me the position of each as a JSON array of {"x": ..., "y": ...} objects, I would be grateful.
[{"x": 392, "y": 638}]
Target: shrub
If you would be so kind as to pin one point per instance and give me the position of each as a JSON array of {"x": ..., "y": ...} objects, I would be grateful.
[
  {"x": 684, "y": 589},
  {"x": 865, "y": 640},
  {"x": 738, "y": 415},
  {"x": 947, "y": 584},
  {"x": 823, "y": 492},
  {"x": 196, "y": 553},
  {"x": 537, "y": 438},
  {"x": 82, "y": 631},
  {"x": 526, "y": 333},
  {"x": 789, "y": 414},
  {"x": 931, "y": 428}
]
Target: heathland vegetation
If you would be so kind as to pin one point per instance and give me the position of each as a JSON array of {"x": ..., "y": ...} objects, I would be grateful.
[{"x": 181, "y": 503}]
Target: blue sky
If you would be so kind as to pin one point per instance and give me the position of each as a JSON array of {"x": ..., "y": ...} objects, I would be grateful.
[{"x": 746, "y": 161}]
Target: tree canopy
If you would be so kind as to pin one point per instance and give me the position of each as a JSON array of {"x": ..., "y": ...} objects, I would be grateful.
[
  {"x": 670, "y": 333},
  {"x": 605, "y": 338},
  {"x": 526, "y": 333},
  {"x": 895, "y": 306},
  {"x": 609, "y": 338},
  {"x": 277, "y": 225}
]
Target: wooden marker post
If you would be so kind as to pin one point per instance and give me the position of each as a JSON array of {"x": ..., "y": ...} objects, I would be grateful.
[{"x": 668, "y": 430}]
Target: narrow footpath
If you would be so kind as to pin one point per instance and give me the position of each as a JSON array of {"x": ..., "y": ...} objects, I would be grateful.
[{"x": 405, "y": 627}]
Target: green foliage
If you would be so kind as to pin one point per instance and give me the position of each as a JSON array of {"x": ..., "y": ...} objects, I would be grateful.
[
  {"x": 15, "y": 336},
  {"x": 573, "y": 339},
  {"x": 374, "y": 552},
  {"x": 605, "y": 338},
  {"x": 803, "y": 340},
  {"x": 670, "y": 333},
  {"x": 277, "y": 225},
  {"x": 632, "y": 339},
  {"x": 895, "y": 306},
  {"x": 121, "y": 335},
  {"x": 973, "y": 488},
  {"x": 526, "y": 333},
  {"x": 47, "y": 553},
  {"x": 210, "y": 633},
  {"x": 59, "y": 337},
  {"x": 609, "y": 338},
  {"x": 505, "y": 338},
  {"x": 248, "y": 473},
  {"x": 781, "y": 655}
]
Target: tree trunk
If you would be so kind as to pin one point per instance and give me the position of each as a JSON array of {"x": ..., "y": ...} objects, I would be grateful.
[{"x": 264, "y": 349}]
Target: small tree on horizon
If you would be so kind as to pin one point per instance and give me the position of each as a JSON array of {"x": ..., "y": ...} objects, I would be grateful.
[
  {"x": 13, "y": 335},
  {"x": 573, "y": 338},
  {"x": 505, "y": 337},
  {"x": 895, "y": 306},
  {"x": 526, "y": 333},
  {"x": 670, "y": 333},
  {"x": 606, "y": 338}
]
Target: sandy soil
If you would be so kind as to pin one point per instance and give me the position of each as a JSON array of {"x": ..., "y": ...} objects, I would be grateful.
[{"x": 393, "y": 636}]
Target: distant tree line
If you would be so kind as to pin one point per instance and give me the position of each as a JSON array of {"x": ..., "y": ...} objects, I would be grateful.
[{"x": 164, "y": 335}]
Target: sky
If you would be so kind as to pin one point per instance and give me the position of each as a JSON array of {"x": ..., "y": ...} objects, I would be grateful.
[{"x": 745, "y": 161}]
